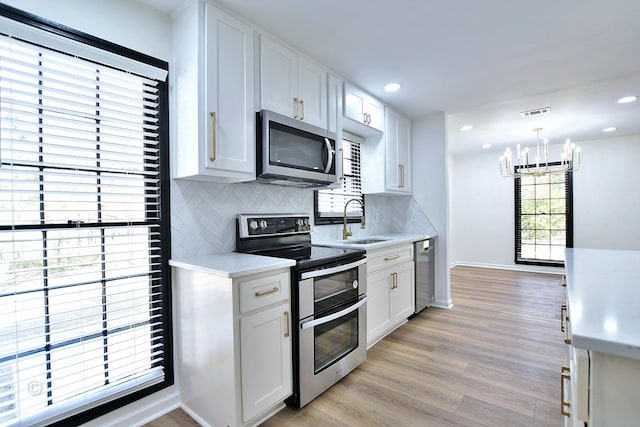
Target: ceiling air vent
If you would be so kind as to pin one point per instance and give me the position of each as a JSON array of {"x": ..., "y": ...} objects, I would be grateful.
[{"x": 535, "y": 112}]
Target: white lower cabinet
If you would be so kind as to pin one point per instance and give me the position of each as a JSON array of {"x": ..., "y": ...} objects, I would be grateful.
[
  {"x": 390, "y": 290},
  {"x": 233, "y": 339}
]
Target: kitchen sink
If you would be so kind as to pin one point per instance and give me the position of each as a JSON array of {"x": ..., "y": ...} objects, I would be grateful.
[{"x": 366, "y": 241}]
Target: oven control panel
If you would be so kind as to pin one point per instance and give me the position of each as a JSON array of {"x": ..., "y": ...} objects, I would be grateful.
[{"x": 262, "y": 225}]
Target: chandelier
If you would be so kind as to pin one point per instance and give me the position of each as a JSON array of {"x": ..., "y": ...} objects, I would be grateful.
[{"x": 569, "y": 160}]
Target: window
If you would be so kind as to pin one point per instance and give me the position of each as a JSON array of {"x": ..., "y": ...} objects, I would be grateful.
[
  {"x": 329, "y": 204},
  {"x": 84, "y": 289},
  {"x": 544, "y": 224}
]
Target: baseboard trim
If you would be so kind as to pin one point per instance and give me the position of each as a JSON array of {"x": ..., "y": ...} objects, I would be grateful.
[
  {"x": 524, "y": 268},
  {"x": 446, "y": 304}
]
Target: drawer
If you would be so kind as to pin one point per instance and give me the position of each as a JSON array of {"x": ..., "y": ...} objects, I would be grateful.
[
  {"x": 389, "y": 256},
  {"x": 261, "y": 291}
]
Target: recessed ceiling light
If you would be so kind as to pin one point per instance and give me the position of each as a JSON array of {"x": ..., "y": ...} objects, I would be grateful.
[
  {"x": 486, "y": 146},
  {"x": 391, "y": 87},
  {"x": 609, "y": 129},
  {"x": 466, "y": 128},
  {"x": 627, "y": 99}
]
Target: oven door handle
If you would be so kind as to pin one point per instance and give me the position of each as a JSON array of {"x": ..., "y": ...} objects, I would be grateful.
[
  {"x": 334, "y": 316},
  {"x": 332, "y": 270}
]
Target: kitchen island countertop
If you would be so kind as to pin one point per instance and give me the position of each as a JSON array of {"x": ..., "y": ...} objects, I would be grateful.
[
  {"x": 603, "y": 292},
  {"x": 232, "y": 264}
]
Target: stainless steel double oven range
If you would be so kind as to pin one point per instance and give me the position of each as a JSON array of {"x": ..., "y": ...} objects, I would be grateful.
[{"x": 328, "y": 299}]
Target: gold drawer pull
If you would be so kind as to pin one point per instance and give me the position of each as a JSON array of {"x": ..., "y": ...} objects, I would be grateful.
[
  {"x": 286, "y": 321},
  {"x": 564, "y": 375},
  {"x": 214, "y": 137},
  {"x": 392, "y": 257},
  {"x": 270, "y": 291},
  {"x": 564, "y": 281},
  {"x": 563, "y": 308}
]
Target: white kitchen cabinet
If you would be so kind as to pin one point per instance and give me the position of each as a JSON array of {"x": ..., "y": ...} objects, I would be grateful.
[
  {"x": 363, "y": 108},
  {"x": 291, "y": 84},
  {"x": 233, "y": 339},
  {"x": 214, "y": 89},
  {"x": 392, "y": 154},
  {"x": 398, "y": 152},
  {"x": 390, "y": 290}
]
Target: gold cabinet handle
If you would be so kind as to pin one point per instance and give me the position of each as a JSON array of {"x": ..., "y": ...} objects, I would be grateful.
[
  {"x": 563, "y": 308},
  {"x": 391, "y": 258},
  {"x": 286, "y": 321},
  {"x": 565, "y": 405},
  {"x": 401, "y": 173},
  {"x": 395, "y": 278},
  {"x": 267, "y": 292},
  {"x": 302, "y": 109},
  {"x": 295, "y": 103},
  {"x": 564, "y": 281},
  {"x": 214, "y": 136}
]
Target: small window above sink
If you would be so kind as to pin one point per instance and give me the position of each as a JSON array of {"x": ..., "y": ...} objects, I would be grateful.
[{"x": 366, "y": 241}]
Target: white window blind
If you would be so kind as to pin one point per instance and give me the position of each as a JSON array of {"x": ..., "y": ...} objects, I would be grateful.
[
  {"x": 81, "y": 292},
  {"x": 331, "y": 202}
]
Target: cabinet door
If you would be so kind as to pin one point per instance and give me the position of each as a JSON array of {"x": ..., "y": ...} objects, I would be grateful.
[
  {"x": 278, "y": 78},
  {"x": 312, "y": 93},
  {"x": 398, "y": 152},
  {"x": 403, "y": 295},
  {"x": 378, "y": 304},
  {"x": 265, "y": 352},
  {"x": 354, "y": 103},
  {"x": 375, "y": 110},
  {"x": 393, "y": 170},
  {"x": 229, "y": 94},
  {"x": 404, "y": 153}
]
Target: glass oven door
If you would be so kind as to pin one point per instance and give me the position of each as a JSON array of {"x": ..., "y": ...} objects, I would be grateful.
[{"x": 326, "y": 288}]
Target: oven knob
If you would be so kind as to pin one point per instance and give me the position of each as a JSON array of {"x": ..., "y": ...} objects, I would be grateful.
[
  {"x": 355, "y": 284},
  {"x": 253, "y": 224},
  {"x": 263, "y": 224}
]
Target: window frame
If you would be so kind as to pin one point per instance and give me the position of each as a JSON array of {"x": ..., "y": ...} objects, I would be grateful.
[
  {"x": 338, "y": 218},
  {"x": 45, "y": 25},
  {"x": 518, "y": 223}
]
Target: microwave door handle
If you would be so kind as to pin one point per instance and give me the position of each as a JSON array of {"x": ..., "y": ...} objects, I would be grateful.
[
  {"x": 332, "y": 270},
  {"x": 334, "y": 316},
  {"x": 330, "y": 153}
]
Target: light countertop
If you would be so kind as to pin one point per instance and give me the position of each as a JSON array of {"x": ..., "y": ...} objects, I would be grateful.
[
  {"x": 388, "y": 239},
  {"x": 603, "y": 291},
  {"x": 232, "y": 264}
]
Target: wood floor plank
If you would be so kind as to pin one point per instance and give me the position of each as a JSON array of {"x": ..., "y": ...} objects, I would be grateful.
[{"x": 492, "y": 360}]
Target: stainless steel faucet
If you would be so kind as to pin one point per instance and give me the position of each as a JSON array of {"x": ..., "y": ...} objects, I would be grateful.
[{"x": 346, "y": 233}]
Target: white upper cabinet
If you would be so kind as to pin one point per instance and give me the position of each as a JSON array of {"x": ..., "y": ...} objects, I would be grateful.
[
  {"x": 291, "y": 84},
  {"x": 214, "y": 88},
  {"x": 390, "y": 153},
  {"x": 363, "y": 108},
  {"x": 398, "y": 152}
]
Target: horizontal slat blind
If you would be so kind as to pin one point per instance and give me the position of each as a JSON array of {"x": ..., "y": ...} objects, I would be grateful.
[
  {"x": 331, "y": 202},
  {"x": 81, "y": 294}
]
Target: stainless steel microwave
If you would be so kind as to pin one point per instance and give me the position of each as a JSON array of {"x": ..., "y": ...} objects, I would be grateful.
[{"x": 294, "y": 153}]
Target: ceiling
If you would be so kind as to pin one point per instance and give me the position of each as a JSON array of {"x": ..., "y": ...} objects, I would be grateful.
[{"x": 481, "y": 62}]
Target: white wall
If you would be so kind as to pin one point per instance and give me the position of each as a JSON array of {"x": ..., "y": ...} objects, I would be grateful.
[
  {"x": 606, "y": 203},
  {"x": 430, "y": 190},
  {"x": 606, "y": 197}
]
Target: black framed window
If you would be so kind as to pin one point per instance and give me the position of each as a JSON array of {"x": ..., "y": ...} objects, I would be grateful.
[
  {"x": 543, "y": 218},
  {"x": 85, "y": 320},
  {"x": 329, "y": 204}
]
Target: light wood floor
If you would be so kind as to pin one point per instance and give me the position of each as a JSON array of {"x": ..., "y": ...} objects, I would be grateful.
[{"x": 492, "y": 360}]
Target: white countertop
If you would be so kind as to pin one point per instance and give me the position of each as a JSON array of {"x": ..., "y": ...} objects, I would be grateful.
[
  {"x": 603, "y": 291},
  {"x": 390, "y": 239},
  {"x": 232, "y": 264}
]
